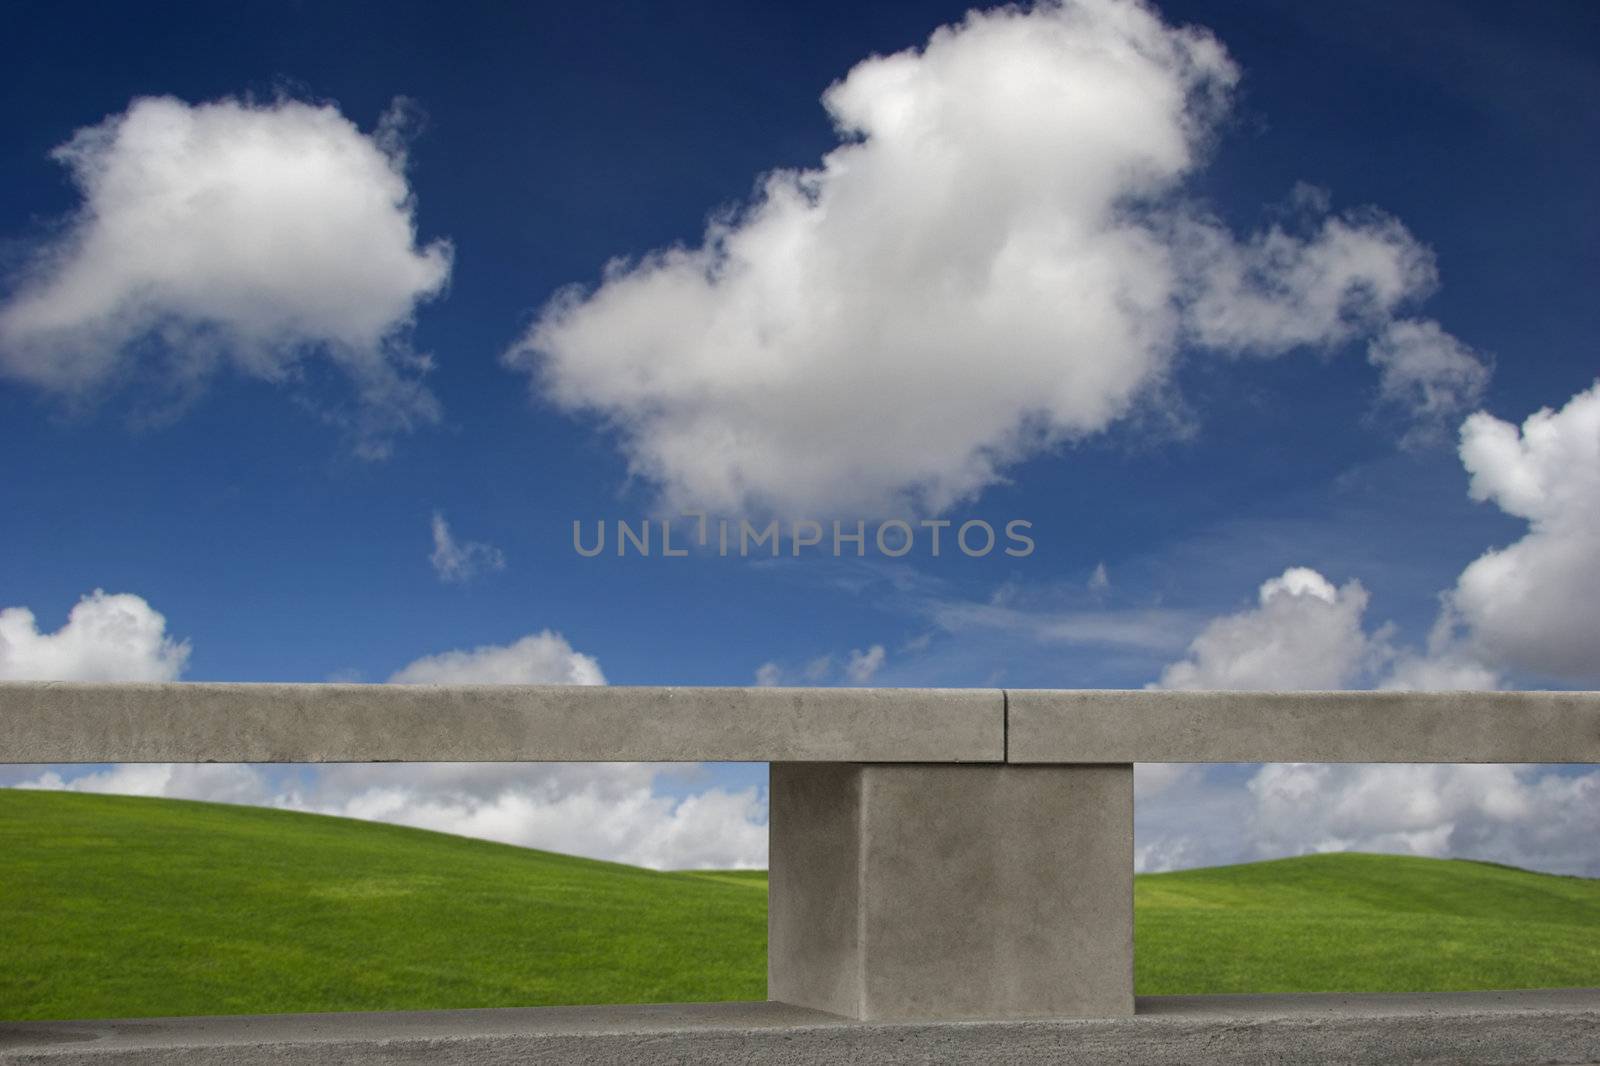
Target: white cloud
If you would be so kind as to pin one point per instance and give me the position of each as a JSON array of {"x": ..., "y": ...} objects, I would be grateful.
[
  {"x": 1141, "y": 629},
  {"x": 859, "y": 667},
  {"x": 604, "y": 812},
  {"x": 105, "y": 638},
  {"x": 1303, "y": 634},
  {"x": 459, "y": 561},
  {"x": 1449, "y": 663},
  {"x": 1529, "y": 816},
  {"x": 607, "y": 811},
  {"x": 999, "y": 257},
  {"x": 538, "y": 659},
  {"x": 1428, "y": 372},
  {"x": 1526, "y": 816},
  {"x": 863, "y": 666},
  {"x": 1279, "y": 290},
  {"x": 251, "y": 235},
  {"x": 1531, "y": 605},
  {"x": 1441, "y": 673},
  {"x": 1527, "y": 607},
  {"x": 213, "y": 782},
  {"x": 1099, "y": 581},
  {"x": 601, "y": 810}
]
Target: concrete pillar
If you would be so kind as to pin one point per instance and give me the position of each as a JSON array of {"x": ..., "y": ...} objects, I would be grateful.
[{"x": 947, "y": 891}]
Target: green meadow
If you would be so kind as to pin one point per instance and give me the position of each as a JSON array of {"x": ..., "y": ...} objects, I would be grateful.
[{"x": 118, "y": 907}]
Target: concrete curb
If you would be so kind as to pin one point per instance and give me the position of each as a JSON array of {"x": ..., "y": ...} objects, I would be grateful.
[{"x": 1543, "y": 1026}]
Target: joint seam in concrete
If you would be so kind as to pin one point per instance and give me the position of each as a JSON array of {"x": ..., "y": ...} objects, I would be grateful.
[
  {"x": 859, "y": 782},
  {"x": 1005, "y": 725}
]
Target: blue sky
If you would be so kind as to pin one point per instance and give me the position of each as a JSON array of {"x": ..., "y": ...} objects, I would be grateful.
[{"x": 541, "y": 143}]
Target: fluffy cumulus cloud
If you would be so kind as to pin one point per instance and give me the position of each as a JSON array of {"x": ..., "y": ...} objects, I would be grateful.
[
  {"x": 253, "y": 235},
  {"x": 1303, "y": 634},
  {"x": 459, "y": 561},
  {"x": 1526, "y": 816},
  {"x": 1531, "y": 605},
  {"x": 1531, "y": 816},
  {"x": 1527, "y": 608},
  {"x": 538, "y": 659},
  {"x": 1001, "y": 255},
  {"x": 1447, "y": 662},
  {"x": 105, "y": 638}
]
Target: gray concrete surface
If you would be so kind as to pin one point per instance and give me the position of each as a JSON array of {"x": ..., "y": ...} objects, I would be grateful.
[
  {"x": 1560, "y": 1026},
  {"x": 950, "y": 892},
  {"x": 1046, "y": 726},
  {"x": 203, "y": 722},
  {"x": 43, "y": 722}
]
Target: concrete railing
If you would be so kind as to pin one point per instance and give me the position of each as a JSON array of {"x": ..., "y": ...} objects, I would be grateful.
[{"x": 937, "y": 855}]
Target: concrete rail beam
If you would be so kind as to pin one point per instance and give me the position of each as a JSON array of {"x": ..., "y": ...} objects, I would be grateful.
[
  {"x": 50, "y": 722},
  {"x": 1101, "y": 726},
  {"x": 203, "y": 722}
]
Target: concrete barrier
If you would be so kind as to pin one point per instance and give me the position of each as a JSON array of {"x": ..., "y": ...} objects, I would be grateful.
[
  {"x": 1095, "y": 726},
  {"x": 937, "y": 854},
  {"x": 200, "y": 722},
  {"x": 197, "y": 722}
]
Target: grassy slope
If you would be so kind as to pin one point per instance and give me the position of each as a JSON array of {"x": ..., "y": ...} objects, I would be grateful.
[
  {"x": 115, "y": 906},
  {"x": 1375, "y": 923}
]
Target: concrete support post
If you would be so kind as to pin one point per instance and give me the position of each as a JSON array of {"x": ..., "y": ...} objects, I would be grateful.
[{"x": 950, "y": 891}]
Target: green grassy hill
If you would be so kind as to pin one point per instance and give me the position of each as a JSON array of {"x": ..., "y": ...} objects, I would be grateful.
[
  {"x": 118, "y": 906},
  {"x": 1364, "y": 923},
  {"x": 115, "y": 906}
]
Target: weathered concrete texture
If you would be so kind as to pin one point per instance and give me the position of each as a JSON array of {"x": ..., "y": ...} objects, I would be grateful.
[
  {"x": 1087, "y": 726},
  {"x": 74, "y": 722},
  {"x": 1463, "y": 1028},
  {"x": 933, "y": 891},
  {"x": 71, "y": 722}
]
